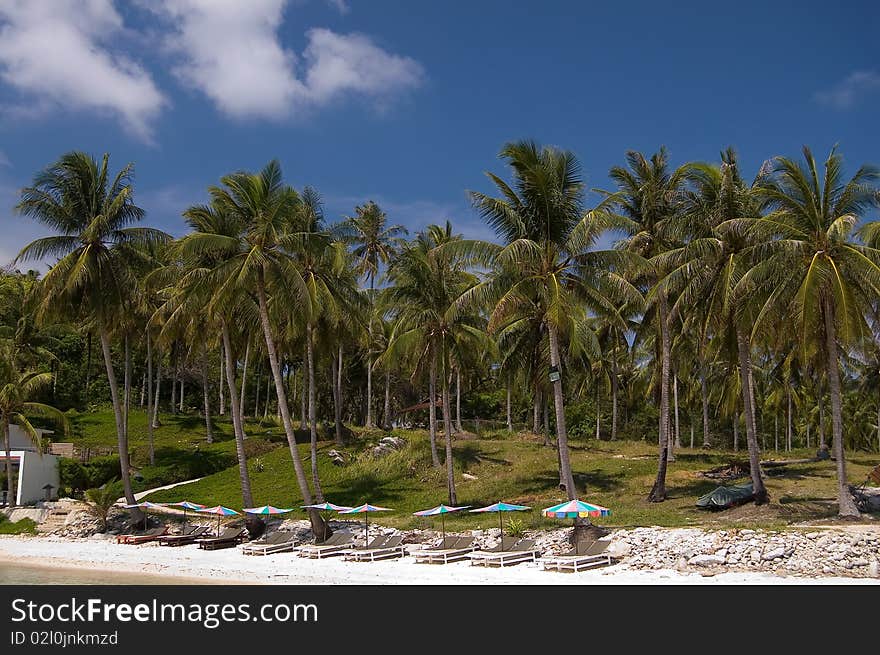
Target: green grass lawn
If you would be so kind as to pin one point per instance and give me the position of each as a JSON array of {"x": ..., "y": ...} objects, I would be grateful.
[{"x": 519, "y": 469}]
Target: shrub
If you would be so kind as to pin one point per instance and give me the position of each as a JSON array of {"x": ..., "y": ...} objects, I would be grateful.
[
  {"x": 101, "y": 501},
  {"x": 24, "y": 526},
  {"x": 74, "y": 477}
]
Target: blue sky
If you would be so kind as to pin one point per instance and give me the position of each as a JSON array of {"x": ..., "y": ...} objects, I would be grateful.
[{"x": 408, "y": 103}]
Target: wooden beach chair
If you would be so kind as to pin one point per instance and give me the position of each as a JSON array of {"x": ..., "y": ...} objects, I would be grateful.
[
  {"x": 228, "y": 538},
  {"x": 276, "y": 542},
  {"x": 150, "y": 535},
  {"x": 450, "y": 549},
  {"x": 388, "y": 548},
  {"x": 336, "y": 544},
  {"x": 521, "y": 551},
  {"x": 579, "y": 559},
  {"x": 188, "y": 536}
]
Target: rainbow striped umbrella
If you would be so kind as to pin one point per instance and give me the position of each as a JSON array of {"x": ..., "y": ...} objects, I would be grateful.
[
  {"x": 185, "y": 504},
  {"x": 143, "y": 505},
  {"x": 326, "y": 507},
  {"x": 573, "y": 509},
  {"x": 219, "y": 510},
  {"x": 442, "y": 510},
  {"x": 267, "y": 510},
  {"x": 501, "y": 507},
  {"x": 365, "y": 509}
]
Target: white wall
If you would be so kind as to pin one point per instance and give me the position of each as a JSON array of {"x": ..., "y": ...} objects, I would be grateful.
[
  {"x": 35, "y": 471},
  {"x": 19, "y": 440}
]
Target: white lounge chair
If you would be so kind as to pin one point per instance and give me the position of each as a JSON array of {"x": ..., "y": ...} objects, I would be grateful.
[
  {"x": 521, "y": 551},
  {"x": 276, "y": 542},
  {"x": 336, "y": 544},
  {"x": 450, "y": 549},
  {"x": 387, "y": 548},
  {"x": 593, "y": 555}
]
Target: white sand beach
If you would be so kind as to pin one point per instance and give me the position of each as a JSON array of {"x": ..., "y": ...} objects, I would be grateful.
[{"x": 230, "y": 565}]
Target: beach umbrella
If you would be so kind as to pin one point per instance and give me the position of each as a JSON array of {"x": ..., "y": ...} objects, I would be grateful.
[
  {"x": 365, "y": 509},
  {"x": 326, "y": 507},
  {"x": 144, "y": 505},
  {"x": 501, "y": 507},
  {"x": 185, "y": 504},
  {"x": 442, "y": 511},
  {"x": 572, "y": 509},
  {"x": 267, "y": 510},
  {"x": 219, "y": 510}
]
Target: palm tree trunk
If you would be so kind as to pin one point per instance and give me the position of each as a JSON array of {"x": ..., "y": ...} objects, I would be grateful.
[
  {"x": 304, "y": 394},
  {"x": 447, "y": 430},
  {"x": 268, "y": 393},
  {"x": 257, "y": 388},
  {"x": 206, "y": 395},
  {"x": 319, "y": 526},
  {"x": 704, "y": 398},
  {"x": 745, "y": 370},
  {"x": 692, "y": 430},
  {"x": 126, "y": 386},
  {"x": 432, "y": 409},
  {"x": 150, "y": 398},
  {"x": 846, "y": 505},
  {"x": 822, "y": 444},
  {"x": 247, "y": 356},
  {"x": 559, "y": 402},
  {"x": 237, "y": 426},
  {"x": 658, "y": 491},
  {"x": 458, "y": 427},
  {"x": 675, "y": 401},
  {"x": 386, "y": 416},
  {"x": 508, "y": 408},
  {"x": 155, "y": 419},
  {"x": 598, "y": 424},
  {"x": 336, "y": 370},
  {"x": 787, "y": 417},
  {"x": 614, "y": 392},
  {"x": 181, "y": 406},
  {"x": 122, "y": 442},
  {"x": 175, "y": 374},
  {"x": 88, "y": 366},
  {"x": 222, "y": 381},
  {"x": 369, "y": 421},
  {"x": 10, "y": 496},
  {"x": 736, "y": 431},
  {"x": 313, "y": 423},
  {"x": 536, "y": 413}
]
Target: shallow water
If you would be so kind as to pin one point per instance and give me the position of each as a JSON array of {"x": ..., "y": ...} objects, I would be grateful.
[{"x": 11, "y": 573}]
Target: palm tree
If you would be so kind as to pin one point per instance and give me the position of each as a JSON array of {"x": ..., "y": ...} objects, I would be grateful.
[
  {"x": 260, "y": 260},
  {"x": 648, "y": 197},
  {"x": 814, "y": 272},
  {"x": 708, "y": 267},
  {"x": 16, "y": 390},
  {"x": 96, "y": 246},
  {"x": 375, "y": 245},
  {"x": 545, "y": 260}
]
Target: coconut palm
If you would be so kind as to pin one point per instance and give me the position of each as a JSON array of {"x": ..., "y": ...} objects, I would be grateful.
[
  {"x": 649, "y": 199},
  {"x": 96, "y": 244},
  {"x": 814, "y": 272},
  {"x": 16, "y": 390},
  {"x": 375, "y": 244},
  {"x": 546, "y": 261},
  {"x": 705, "y": 270}
]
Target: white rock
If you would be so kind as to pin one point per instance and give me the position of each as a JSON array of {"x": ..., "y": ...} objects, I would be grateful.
[{"x": 706, "y": 560}]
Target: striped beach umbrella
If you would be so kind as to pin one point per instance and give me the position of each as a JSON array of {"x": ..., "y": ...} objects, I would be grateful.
[
  {"x": 365, "y": 509},
  {"x": 501, "y": 507},
  {"x": 219, "y": 510},
  {"x": 267, "y": 510},
  {"x": 441, "y": 511},
  {"x": 185, "y": 504},
  {"x": 572, "y": 509},
  {"x": 143, "y": 505}
]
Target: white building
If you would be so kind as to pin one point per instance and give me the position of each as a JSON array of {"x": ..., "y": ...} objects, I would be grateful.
[{"x": 35, "y": 470}]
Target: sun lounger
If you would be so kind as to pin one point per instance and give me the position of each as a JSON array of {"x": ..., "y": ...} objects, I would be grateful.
[
  {"x": 189, "y": 536},
  {"x": 276, "y": 542},
  {"x": 336, "y": 544},
  {"x": 506, "y": 543},
  {"x": 450, "y": 550},
  {"x": 149, "y": 535},
  {"x": 577, "y": 560},
  {"x": 228, "y": 538},
  {"x": 388, "y": 548},
  {"x": 522, "y": 551}
]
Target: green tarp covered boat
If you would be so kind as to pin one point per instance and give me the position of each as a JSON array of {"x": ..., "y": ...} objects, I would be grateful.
[{"x": 725, "y": 497}]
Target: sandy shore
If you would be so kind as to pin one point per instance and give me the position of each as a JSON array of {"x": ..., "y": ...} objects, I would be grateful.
[{"x": 230, "y": 565}]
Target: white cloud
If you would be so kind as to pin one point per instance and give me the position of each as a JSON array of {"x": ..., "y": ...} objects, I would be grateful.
[
  {"x": 56, "y": 53},
  {"x": 339, "y": 5},
  {"x": 231, "y": 52},
  {"x": 847, "y": 92},
  {"x": 341, "y": 63}
]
